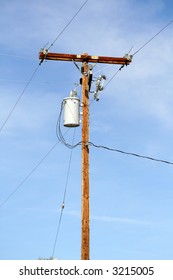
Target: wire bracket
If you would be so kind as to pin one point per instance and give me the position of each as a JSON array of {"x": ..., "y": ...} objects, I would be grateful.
[
  {"x": 129, "y": 57},
  {"x": 45, "y": 52}
]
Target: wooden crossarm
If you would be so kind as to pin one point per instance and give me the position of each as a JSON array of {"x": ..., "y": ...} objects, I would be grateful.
[{"x": 84, "y": 58}]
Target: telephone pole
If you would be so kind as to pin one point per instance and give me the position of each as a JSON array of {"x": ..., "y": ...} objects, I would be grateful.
[
  {"x": 85, "y": 59},
  {"x": 85, "y": 248}
]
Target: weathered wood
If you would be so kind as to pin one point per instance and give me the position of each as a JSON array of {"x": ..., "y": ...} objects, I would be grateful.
[
  {"x": 85, "y": 242},
  {"x": 84, "y": 58}
]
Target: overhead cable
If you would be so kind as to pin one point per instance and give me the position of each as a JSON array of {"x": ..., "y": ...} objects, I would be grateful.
[
  {"x": 127, "y": 56},
  {"x": 64, "y": 198},
  {"x": 29, "y": 174},
  {"x": 65, "y": 27},
  {"x": 19, "y": 98},
  {"x": 169, "y": 23},
  {"x": 9, "y": 115},
  {"x": 131, "y": 154},
  {"x": 152, "y": 38},
  {"x": 64, "y": 142},
  {"x": 110, "y": 80}
]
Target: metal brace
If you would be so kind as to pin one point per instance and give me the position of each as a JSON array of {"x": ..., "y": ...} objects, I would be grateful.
[{"x": 45, "y": 51}]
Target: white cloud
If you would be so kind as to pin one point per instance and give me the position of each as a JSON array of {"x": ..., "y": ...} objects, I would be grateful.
[
  {"x": 119, "y": 220},
  {"x": 110, "y": 219}
]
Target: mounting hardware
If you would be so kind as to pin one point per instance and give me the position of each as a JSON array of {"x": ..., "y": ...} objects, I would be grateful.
[{"x": 99, "y": 86}]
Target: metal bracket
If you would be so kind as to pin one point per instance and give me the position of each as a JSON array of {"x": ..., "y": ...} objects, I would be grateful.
[{"x": 45, "y": 52}]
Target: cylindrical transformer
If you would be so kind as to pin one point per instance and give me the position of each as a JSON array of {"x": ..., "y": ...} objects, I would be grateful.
[{"x": 71, "y": 111}]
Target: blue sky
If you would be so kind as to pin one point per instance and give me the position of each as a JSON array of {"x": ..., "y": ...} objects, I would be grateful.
[{"x": 131, "y": 198}]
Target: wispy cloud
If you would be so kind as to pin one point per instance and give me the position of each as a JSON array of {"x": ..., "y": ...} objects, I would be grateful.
[
  {"x": 111, "y": 219},
  {"x": 124, "y": 220}
]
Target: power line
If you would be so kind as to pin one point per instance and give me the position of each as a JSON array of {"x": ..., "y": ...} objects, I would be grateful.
[
  {"x": 29, "y": 174},
  {"x": 22, "y": 93},
  {"x": 113, "y": 76},
  {"x": 131, "y": 154},
  {"x": 62, "y": 31},
  {"x": 72, "y": 146},
  {"x": 9, "y": 115},
  {"x": 129, "y": 57},
  {"x": 169, "y": 23},
  {"x": 20, "y": 96},
  {"x": 119, "y": 151},
  {"x": 152, "y": 38},
  {"x": 65, "y": 27},
  {"x": 64, "y": 197}
]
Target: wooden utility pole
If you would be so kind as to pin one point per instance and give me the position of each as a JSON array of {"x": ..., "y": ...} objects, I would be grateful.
[
  {"x": 85, "y": 59},
  {"x": 85, "y": 248}
]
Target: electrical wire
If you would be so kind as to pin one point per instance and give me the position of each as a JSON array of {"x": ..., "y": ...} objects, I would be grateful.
[
  {"x": 113, "y": 76},
  {"x": 65, "y": 27},
  {"x": 19, "y": 98},
  {"x": 29, "y": 174},
  {"x": 64, "y": 198},
  {"x": 22, "y": 93},
  {"x": 62, "y": 31},
  {"x": 152, "y": 38},
  {"x": 131, "y": 154},
  {"x": 169, "y": 23},
  {"x": 73, "y": 146},
  {"x": 120, "y": 151},
  {"x": 9, "y": 115}
]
